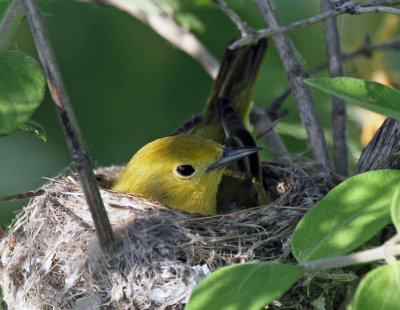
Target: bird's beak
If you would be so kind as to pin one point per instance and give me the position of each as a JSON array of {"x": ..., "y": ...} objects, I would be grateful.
[{"x": 231, "y": 154}]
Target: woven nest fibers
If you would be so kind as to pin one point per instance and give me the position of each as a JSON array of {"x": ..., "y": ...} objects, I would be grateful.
[{"x": 51, "y": 258}]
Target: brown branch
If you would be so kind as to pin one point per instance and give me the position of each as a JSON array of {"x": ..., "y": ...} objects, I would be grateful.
[
  {"x": 349, "y": 7},
  {"x": 294, "y": 72},
  {"x": 23, "y": 195},
  {"x": 76, "y": 144},
  {"x": 262, "y": 123},
  {"x": 340, "y": 150},
  {"x": 366, "y": 49}
]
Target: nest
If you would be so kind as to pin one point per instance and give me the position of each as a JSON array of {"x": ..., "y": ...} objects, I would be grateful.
[{"x": 51, "y": 258}]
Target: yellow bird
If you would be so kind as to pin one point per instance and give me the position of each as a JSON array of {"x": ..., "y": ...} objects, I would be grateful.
[
  {"x": 182, "y": 172},
  {"x": 185, "y": 171}
]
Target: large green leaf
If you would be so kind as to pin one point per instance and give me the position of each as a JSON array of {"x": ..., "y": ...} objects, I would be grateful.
[
  {"x": 245, "y": 286},
  {"x": 379, "y": 289},
  {"x": 347, "y": 217},
  {"x": 366, "y": 94},
  {"x": 22, "y": 85}
]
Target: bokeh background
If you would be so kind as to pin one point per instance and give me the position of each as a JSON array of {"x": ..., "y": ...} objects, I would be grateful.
[{"x": 129, "y": 86}]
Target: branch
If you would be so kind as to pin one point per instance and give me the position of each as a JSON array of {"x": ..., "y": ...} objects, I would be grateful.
[
  {"x": 349, "y": 7},
  {"x": 366, "y": 49},
  {"x": 340, "y": 150},
  {"x": 76, "y": 144},
  {"x": 23, "y": 195},
  {"x": 377, "y": 9},
  {"x": 262, "y": 123},
  {"x": 295, "y": 74}
]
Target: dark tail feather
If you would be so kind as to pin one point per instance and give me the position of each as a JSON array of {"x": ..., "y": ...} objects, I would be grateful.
[{"x": 237, "y": 136}]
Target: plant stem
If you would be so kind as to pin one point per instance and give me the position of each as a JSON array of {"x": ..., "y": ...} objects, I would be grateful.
[
  {"x": 77, "y": 146},
  {"x": 382, "y": 252},
  {"x": 23, "y": 195},
  {"x": 301, "y": 92},
  {"x": 262, "y": 122},
  {"x": 340, "y": 150}
]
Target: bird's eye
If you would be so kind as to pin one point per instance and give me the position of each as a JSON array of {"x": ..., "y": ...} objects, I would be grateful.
[{"x": 185, "y": 170}]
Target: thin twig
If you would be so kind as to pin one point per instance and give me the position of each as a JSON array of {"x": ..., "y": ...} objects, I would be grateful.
[
  {"x": 23, "y": 195},
  {"x": 294, "y": 72},
  {"x": 364, "y": 50},
  {"x": 10, "y": 23},
  {"x": 377, "y": 9},
  {"x": 379, "y": 253},
  {"x": 350, "y": 7},
  {"x": 262, "y": 122},
  {"x": 242, "y": 25},
  {"x": 268, "y": 128},
  {"x": 276, "y": 104},
  {"x": 340, "y": 150},
  {"x": 76, "y": 144}
]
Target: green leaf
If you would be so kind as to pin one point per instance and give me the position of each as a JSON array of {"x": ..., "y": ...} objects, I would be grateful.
[
  {"x": 366, "y": 94},
  {"x": 379, "y": 289},
  {"x": 245, "y": 286},
  {"x": 395, "y": 209},
  {"x": 22, "y": 85},
  {"x": 348, "y": 216},
  {"x": 34, "y": 128}
]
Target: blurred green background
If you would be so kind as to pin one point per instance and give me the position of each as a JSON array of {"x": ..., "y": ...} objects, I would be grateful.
[{"x": 129, "y": 86}]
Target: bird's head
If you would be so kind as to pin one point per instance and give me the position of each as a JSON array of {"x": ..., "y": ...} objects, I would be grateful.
[{"x": 182, "y": 172}]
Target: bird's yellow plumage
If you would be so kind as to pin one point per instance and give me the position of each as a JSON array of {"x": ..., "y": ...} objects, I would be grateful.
[
  {"x": 182, "y": 172},
  {"x": 187, "y": 171}
]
